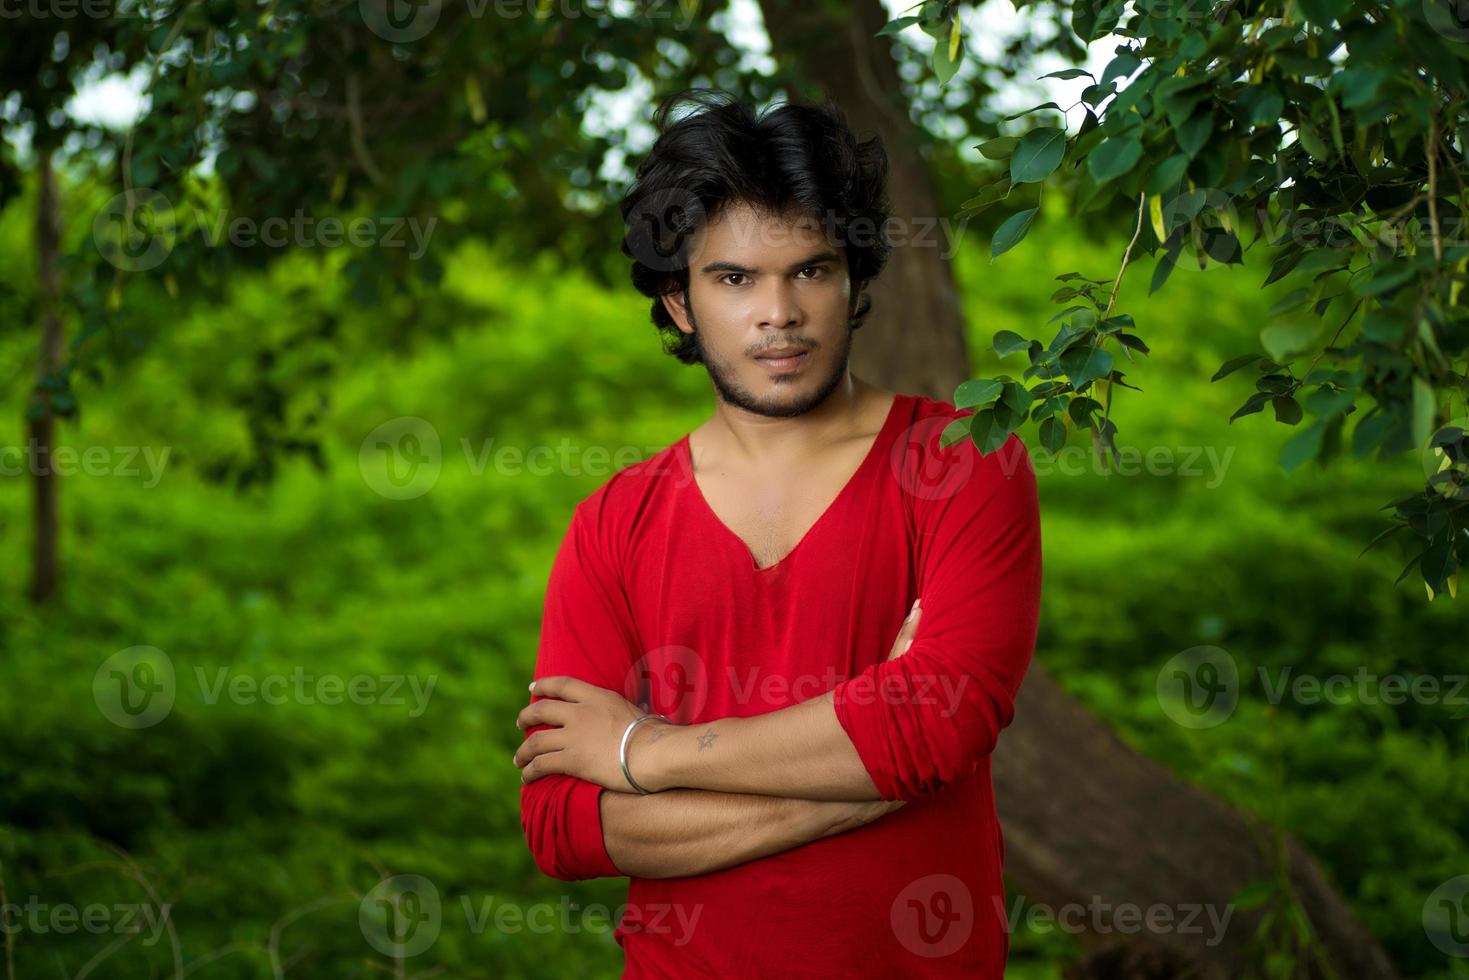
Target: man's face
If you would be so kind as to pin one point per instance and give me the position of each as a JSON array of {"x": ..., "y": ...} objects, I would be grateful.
[{"x": 759, "y": 284}]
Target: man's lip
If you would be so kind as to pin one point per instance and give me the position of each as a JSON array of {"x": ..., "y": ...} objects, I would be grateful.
[{"x": 793, "y": 352}]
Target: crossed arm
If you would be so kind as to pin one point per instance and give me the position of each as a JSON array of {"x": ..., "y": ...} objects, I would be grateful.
[
  {"x": 735, "y": 789},
  {"x": 681, "y": 831}
]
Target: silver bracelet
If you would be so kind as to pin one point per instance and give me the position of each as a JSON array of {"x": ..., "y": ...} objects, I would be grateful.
[{"x": 622, "y": 751}]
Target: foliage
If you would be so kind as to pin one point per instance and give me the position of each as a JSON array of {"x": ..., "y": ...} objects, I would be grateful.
[{"x": 1332, "y": 133}]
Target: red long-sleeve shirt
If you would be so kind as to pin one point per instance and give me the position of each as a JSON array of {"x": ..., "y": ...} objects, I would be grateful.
[{"x": 653, "y": 596}]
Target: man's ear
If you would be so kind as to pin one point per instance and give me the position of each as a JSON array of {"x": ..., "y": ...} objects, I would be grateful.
[{"x": 674, "y": 304}]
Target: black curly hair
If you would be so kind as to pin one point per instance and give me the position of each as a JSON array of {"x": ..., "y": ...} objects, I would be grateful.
[{"x": 795, "y": 157}]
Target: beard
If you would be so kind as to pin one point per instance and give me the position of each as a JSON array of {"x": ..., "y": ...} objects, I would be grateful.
[{"x": 801, "y": 395}]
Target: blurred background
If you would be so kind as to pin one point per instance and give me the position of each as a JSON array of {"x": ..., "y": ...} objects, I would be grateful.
[{"x": 319, "y": 314}]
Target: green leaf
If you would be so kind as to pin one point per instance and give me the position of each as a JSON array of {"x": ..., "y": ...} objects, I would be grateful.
[
  {"x": 1373, "y": 430},
  {"x": 893, "y": 27},
  {"x": 1253, "y": 404},
  {"x": 1085, "y": 364},
  {"x": 1194, "y": 133},
  {"x": 954, "y": 431},
  {"x": 989, "y": 194},
  {"x": 1053, "y": 434},
  {"x": 1011, "y": 232},
  {"x": 1287, "y": 409},
  {"x": 945, "y": 66},
  {"x": 1168, "y": 174},
  {"x": 1017, "y": 398},
  {"x": 1007, "y": 342},
  {"x": 1302, "y": 447},
  {"x": 1132, "y": 341},
  {"x": 1069, "y": 73},
  {"x": 1282, "y": 340},
  {"x": 1038, "y": 155},
  {"x": 1026, "y": 112},
  {"x": 1121, "y": 66},
  {"x": 1323, "y": 12},
  {"x": 979, "y": 392},
  {"x": 987, "y": 433},
  {"x": 1114, "y": 158},
  {"x": 999, "y": 149},
  {"x": 1424, "y": 410}
]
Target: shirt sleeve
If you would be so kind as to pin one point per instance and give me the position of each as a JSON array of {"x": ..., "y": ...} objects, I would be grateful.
[
  {"x": 586, "y": 632},
  {"x": 927, "y": 718}
]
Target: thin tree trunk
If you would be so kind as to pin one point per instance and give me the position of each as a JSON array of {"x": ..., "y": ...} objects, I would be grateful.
[
  {"x": 1088, "y": 821},
  {"x": 41, "y": 417}
]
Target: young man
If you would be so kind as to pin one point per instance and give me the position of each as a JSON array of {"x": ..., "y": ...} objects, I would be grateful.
[{"x": 811, "y": 797}]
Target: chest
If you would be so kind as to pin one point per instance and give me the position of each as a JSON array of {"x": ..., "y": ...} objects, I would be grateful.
[{"x": 772, "y": 512}]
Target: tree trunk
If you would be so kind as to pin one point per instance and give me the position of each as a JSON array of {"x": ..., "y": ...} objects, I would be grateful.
[
  {"x": 40, "y": 416},
  {"x": 1089, "y": 822},
  {"x": 909, "y": 342}
]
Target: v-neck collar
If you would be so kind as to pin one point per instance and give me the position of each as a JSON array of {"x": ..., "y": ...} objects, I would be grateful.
[{"x": 874, "y": 452}]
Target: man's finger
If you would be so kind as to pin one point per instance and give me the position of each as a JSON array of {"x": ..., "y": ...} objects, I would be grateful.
[
  {"x": 906, "y": 633},
  {"x": 540, "y": 743},
  {"x": 547, "y": 711},
  {"x": 541, "y": 765},
  {"x": 565, "y": 688}
]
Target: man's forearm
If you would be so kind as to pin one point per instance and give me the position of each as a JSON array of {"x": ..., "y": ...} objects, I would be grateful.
[
  {"x": 685, "y": 832},
  {"x": 800, "y": 751}
]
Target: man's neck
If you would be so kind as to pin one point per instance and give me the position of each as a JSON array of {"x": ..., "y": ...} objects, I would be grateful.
[{"x": 755, "y": 440}]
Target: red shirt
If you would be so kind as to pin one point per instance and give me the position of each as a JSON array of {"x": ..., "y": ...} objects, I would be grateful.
[{"x": 653, "y": 596}]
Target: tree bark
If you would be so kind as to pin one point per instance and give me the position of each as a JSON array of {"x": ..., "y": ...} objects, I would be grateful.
[
  {"x": 41, "y": 418},
  {"x": 1088, "y": 821}
]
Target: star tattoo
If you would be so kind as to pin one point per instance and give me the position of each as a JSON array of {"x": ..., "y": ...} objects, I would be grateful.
[{"x": 707, "y": 739}]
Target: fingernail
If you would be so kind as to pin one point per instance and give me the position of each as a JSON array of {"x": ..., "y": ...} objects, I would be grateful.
[{"x": 531, "y": 686}]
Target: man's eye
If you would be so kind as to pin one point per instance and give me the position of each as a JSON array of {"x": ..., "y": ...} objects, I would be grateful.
[
  {"x": 728, "y": 274},
  {"x": 815, "y": 268}
]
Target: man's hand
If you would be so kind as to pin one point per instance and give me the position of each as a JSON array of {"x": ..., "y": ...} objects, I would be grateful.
[{"x": 591, "y": 721}]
